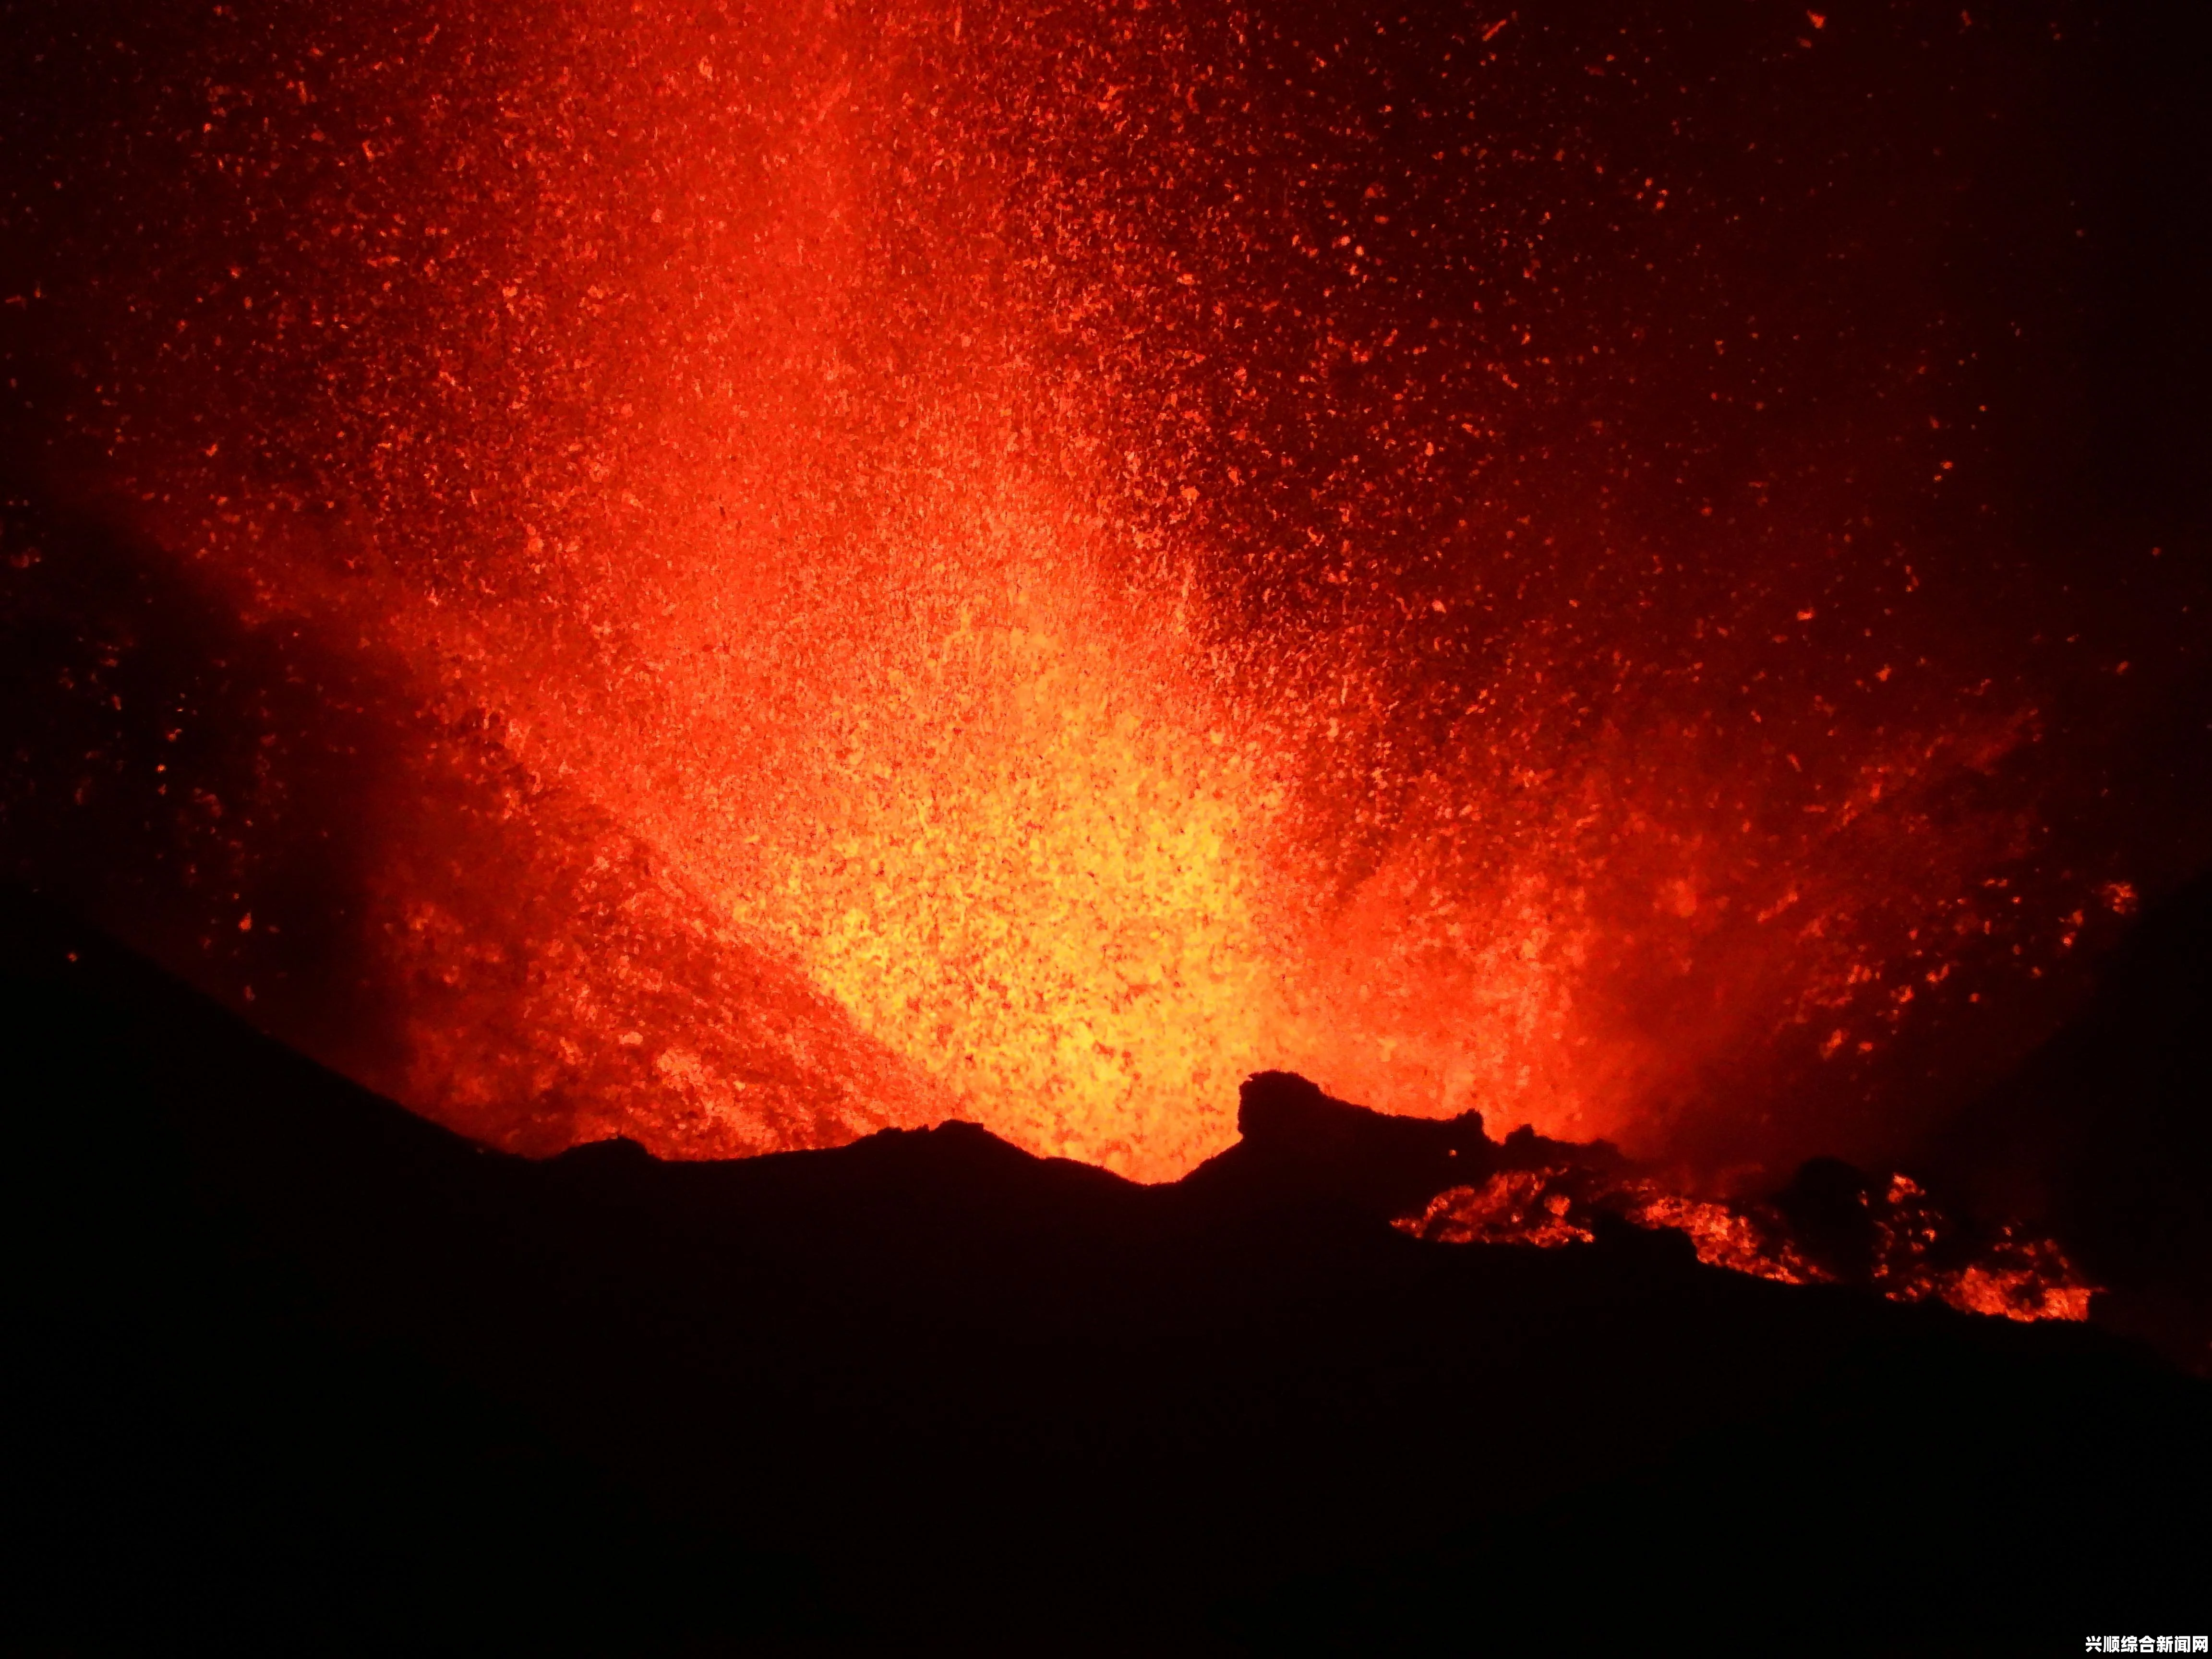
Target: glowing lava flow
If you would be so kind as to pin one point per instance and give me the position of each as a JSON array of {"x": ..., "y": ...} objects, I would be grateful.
[{"x": 1912, "y": 1251}]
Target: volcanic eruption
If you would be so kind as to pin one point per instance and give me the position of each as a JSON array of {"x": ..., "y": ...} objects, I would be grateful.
[
  {"x": 735, "y": 577},
  {"x": 1089, "y": 554}
]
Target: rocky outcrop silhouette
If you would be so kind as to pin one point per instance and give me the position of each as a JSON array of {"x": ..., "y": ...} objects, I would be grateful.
[{"x": 301, "y": 1371}]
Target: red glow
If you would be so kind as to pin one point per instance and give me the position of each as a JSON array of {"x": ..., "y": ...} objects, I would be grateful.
[
  {"x": 1028, "y": 564},
  {"x": 1917, "y": 1252}
]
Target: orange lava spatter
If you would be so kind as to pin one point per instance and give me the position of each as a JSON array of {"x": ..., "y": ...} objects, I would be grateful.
[{"x": 1025, "y": 562}]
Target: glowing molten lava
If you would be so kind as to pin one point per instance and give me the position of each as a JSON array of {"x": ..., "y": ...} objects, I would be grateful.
[
  {"x": 983, "y": 559},
  {"x": 1913, "y": 1252}
]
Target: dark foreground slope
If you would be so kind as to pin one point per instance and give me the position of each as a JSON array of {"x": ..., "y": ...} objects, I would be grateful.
[
  {"x": 297, "y": 1371},
  {"x": 2104, "y": 1137}
]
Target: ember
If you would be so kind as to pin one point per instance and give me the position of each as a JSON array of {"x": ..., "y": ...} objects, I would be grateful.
[{"x": 1027, "y": 562}]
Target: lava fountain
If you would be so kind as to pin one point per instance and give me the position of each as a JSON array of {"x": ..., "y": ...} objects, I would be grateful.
[{"x": 886, "y": 561}]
